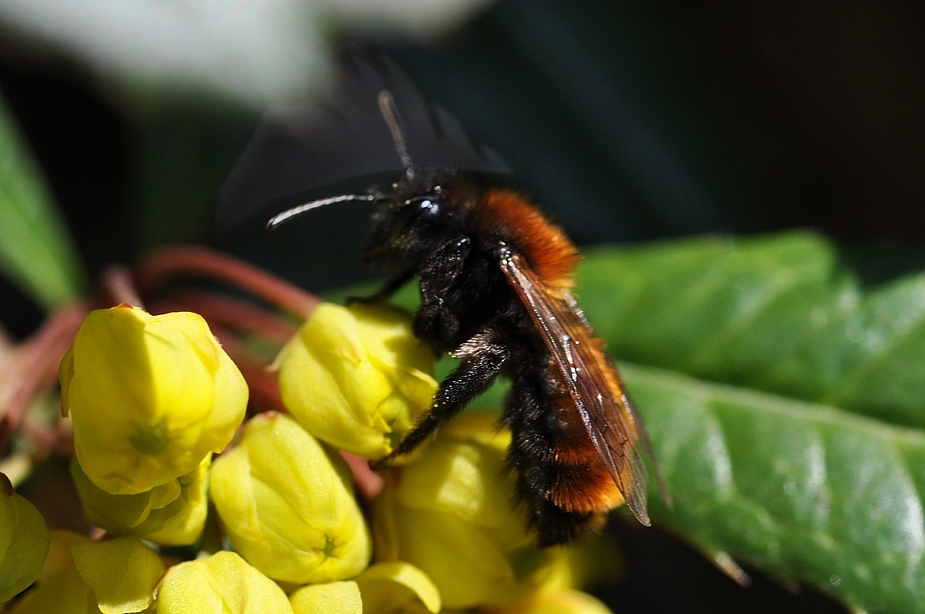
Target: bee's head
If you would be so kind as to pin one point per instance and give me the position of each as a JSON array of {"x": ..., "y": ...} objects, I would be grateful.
[{"x": 413, "y": 219}]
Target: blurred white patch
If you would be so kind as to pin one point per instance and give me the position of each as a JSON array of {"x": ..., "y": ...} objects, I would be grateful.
[
  {"x": 255, "y": 51},
  {"x": 421, "y": 19}
]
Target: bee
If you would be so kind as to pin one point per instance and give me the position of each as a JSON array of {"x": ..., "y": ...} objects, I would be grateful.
[{"x": 496, "y": 280}]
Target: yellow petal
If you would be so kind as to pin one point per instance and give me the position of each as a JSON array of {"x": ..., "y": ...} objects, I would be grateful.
[
  {"x": 172, "y": 514},
  {"x": 59, "y": 554},
  {"x": 451, "y": 513},
  {"x": 121, "y": 572},
  {"x": 395, "y": 586},
  {"x": 219, "y": 584},
  {"x": 466, "y": 566},
  {"x": 585, "y": 563},
  {"x": 180, "y": 522},
  {"x": 469, "y": 481},
  {"x": 329, "y": 598}
]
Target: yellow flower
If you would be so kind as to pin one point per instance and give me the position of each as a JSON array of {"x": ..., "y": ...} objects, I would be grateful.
[
  {"x": 218, "y": 584},
  {"x": 24, "y": 541},
  {"x": 113, "y": 577},
  {"x": 451, "y": 514},
  {"x": 384, "y": 588},
  {"x": 172, "y": 514},
  {"x": 563, "y": 601},
  {"x": 121, "y": 572},
  {"x": 288, "y": 506},
  {"x": 356, "y": 377},
  {"x": 63, "y": 592},
  {"x": 397, "y": 587},
  {"x": 588, "y": 562},
  {"x": 149, "y": 397},
  {"x": 59, "y": 554}
]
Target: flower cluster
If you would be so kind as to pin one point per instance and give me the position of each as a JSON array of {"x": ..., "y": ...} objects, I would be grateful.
[{"x": 153, "y": 397}]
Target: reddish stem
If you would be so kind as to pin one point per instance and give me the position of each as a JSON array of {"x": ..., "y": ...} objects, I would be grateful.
[
  {"x": 221, "y": 310},
  {"x": 264, "y": 388},
  {"x": 262, "y": 383},
  {"x": 117, "y": 286},
  {"x": 6, "y": 342},
  {"x": 367, "y": 481},
  {"x": 34, "y": 364},
  {"x": 172, "y": 261},
  {"x": 44, "y": 438}
]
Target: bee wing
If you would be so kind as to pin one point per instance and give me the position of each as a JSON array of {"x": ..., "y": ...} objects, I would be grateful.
[
  {"x": 591, "y": 380},
  {"x": 301, "y": 150}
]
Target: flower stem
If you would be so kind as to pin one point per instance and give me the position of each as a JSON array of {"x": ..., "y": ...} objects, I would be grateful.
[
  {"x": 33, "y": 366},
  {"x": 231, "y": 312},
  {"x": 174, "y": 261},
  {"x": 117, "y": 286}
]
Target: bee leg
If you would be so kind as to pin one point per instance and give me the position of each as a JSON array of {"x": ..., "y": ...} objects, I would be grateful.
[
  {"x": 387, "y": 290},
  {"x": 437, "y": 321},
  {"x": 483, "y": 357}
]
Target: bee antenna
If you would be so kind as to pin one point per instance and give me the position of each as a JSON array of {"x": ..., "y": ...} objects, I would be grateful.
[
  {"x": 288, "y": 214},
  {"x": 390, "y": 114}
]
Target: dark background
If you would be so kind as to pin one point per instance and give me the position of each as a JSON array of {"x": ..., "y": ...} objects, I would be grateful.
[{"x": 627, "y": 121}]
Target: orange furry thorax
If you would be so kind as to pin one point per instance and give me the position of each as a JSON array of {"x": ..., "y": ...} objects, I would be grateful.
[{"x": 550, "y": 254}]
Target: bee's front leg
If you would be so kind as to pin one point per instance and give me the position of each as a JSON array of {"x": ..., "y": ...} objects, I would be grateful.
[{"x": 483, "y": 357}]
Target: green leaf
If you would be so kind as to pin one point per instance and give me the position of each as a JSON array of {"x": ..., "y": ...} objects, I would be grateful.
[
  {"x": 35, "y": 249},
  {"x": 806, "y": 492},
  {"x": 774, "y": 313}
]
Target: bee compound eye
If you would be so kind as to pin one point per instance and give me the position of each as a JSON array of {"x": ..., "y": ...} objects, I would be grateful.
[{"x": 425, "y": 206}]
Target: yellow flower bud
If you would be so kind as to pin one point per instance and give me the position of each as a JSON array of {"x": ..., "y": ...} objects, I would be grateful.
[
  {"x": 172, "y": 514},
  {"x": 149, "y": 397},
  {"x": 24, "y": 541},
  {"x": 451, "y": 514},
  {"x": 356, "y": 377},
  {"x": 288, "y": 505},
  {"x": 218, "y": 584},
  {"x": 121, "y": 572}
]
